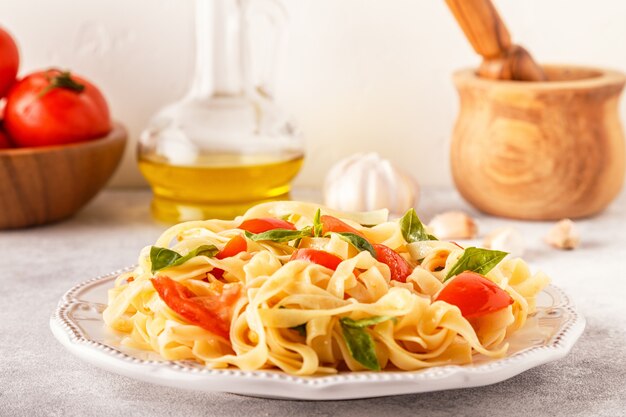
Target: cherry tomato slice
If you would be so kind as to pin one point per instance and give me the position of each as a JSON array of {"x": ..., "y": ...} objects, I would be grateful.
[
  {"x": 333, "y": 224},
  {"x": 217, "y": 273},
  {"x": 475, "y": 295},
  {"x": 319, "y": 257},
  {"x": 399, "y": 267},
  {"x": 234, "y": 246},
  {"x": 264, "y": 224},
  {"x": 211, "y": 313}
]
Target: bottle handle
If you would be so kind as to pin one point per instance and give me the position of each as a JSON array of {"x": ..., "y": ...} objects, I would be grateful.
[{"x": 275, "y": 14}]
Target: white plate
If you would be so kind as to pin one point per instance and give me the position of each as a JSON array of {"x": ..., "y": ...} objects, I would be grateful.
[{"x": 77, "y": 324}]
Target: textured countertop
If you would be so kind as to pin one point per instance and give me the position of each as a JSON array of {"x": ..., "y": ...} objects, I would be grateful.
[{"x": 38, "y": 377}]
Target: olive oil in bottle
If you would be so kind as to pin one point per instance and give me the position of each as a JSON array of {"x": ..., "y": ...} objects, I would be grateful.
[
  {"x": 225, "y": 145},
  {"x": 217, "y": 186}
]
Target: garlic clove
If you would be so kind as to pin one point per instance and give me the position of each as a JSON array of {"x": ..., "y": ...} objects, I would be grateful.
[
  {"x": 364, "y": 182},
  {"x": 506, "y": 239},
  {"x": 453, "y": 225},
  {"x": 563, "y": 235}
]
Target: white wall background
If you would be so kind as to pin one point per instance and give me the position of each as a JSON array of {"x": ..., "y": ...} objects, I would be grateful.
[{"x": 359, "y": 74}]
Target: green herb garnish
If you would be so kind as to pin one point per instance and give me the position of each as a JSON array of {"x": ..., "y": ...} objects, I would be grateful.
[
  {"x": 317, "y": 224},
  {"x": 370, "y": 321},
  {"x": 357, "y": 241},
  {"x": 280, "y": 235},
  {"x": 359, "y": 342},
  {"x": 413, "y": 229},
  {"x": 476, "y": 260},
  {"x": 162, "y": 258}
]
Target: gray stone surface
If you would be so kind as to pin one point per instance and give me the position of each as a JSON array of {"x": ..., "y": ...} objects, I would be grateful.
[{"x": 39, "y": 378}]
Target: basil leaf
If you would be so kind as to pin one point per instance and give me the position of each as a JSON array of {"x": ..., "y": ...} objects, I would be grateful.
[
  {"x": 357, "y": 241},
  {"x": 370, "y": 321},
  {"x": 162, "y": 258},
  {"x": 300, "y": 328},
  {"x": 360, "y": 345},
  {"x": 476, "y": 260},
  {"x": 413, "y": 229},
  {"x": 204, "y": 250},
  {"x": 317, "y": 224},
  {"x": 280, "y": 235}
]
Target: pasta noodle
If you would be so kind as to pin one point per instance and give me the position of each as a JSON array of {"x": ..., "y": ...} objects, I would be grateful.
[{"x": 304, "y": 317}]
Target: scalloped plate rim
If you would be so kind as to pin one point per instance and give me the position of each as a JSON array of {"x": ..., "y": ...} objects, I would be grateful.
[{"x": 277, "y": 384}]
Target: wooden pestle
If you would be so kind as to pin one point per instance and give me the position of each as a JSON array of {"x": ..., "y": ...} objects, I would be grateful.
[{"x": 485, "y": 30}]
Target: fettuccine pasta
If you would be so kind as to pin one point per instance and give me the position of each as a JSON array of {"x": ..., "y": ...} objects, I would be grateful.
[{"x": 313, "y": 291}]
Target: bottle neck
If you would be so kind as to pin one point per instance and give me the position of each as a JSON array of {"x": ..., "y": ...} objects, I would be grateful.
[{"x": 220, "y": 68}]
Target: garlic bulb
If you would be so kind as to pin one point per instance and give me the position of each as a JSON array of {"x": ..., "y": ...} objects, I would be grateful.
[
  {"x": 453, "y": 225},
  {"x": 563, "y": 235},
  {"x": 364, "y": 182},
  {"x": 506, "y": 239}
]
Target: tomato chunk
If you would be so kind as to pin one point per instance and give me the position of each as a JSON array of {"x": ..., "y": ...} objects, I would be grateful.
[
  {"x": 264, "y": 224},
  {"x": 475, "y": 295},
  {"x": 212, "y": 313},
  {"x": 399, "y": 267},
  {"x": 234, "y": 246},
  {"x": 319, "y": 257},
  {"x": 333, "y": 224}
]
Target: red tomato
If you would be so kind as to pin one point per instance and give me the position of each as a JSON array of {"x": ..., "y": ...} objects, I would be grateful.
[
  {"x": 234, "y": 246},
  {"x": 399, "y": 267},
  {"x": 264, "y": 224},
  {"x": 9, "y": 61},
  {"x": 212, "y": 313},
  {"x": 55, "y": 108},
  {"x": 475, "y": 295},
  {"x": 333, "y": 224},
  {"x": 319, "y": 257},
  {"x": 5, "y": 143}
]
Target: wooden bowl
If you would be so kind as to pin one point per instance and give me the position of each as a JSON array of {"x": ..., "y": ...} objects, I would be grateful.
[
  {"x": 43, "y": 185},
  {"x": 540, "y": 150}
]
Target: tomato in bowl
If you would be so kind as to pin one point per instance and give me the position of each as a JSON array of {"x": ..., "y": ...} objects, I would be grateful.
[{"x": 55, "y": 107}]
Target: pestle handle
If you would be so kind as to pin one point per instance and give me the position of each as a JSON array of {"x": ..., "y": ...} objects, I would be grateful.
[
  {"x": 482, "y": 26},
  {"x": 486, "y": 31}
]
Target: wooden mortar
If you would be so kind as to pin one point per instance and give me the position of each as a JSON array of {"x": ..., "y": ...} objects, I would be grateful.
[{"x": 540, "y": 150}]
